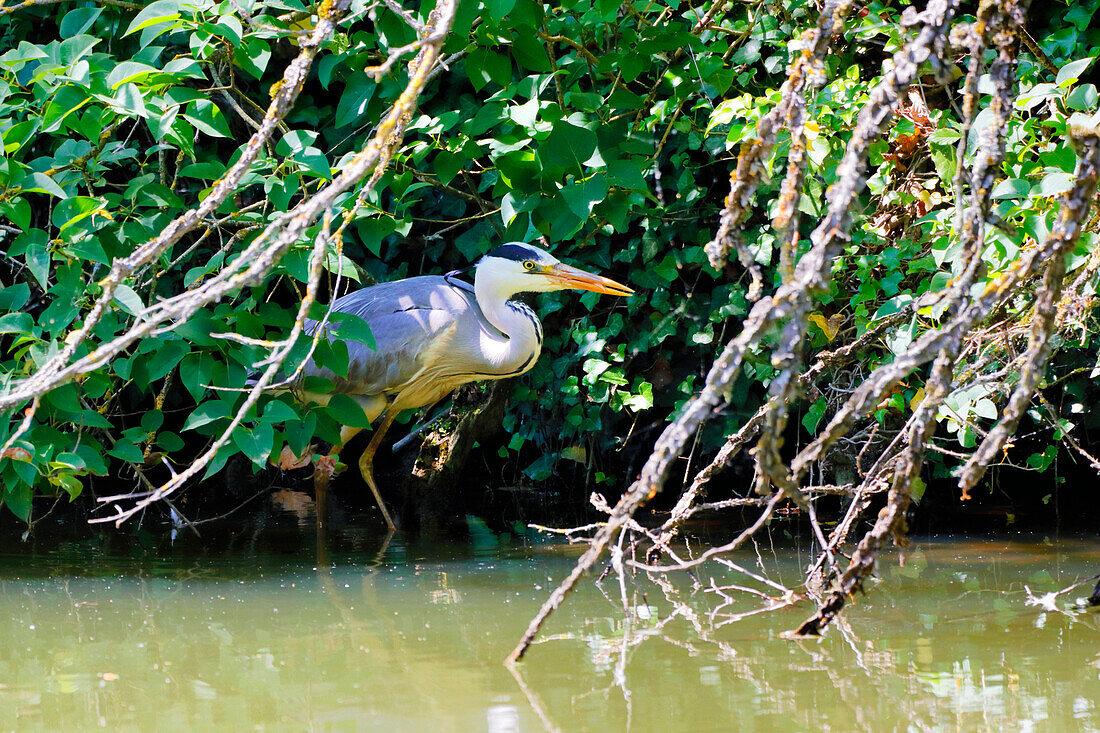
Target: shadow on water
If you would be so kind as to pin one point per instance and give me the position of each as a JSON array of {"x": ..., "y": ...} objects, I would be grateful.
[{"x": 279, "y": 626}]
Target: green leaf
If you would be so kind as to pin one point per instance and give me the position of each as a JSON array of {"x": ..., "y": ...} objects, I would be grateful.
[
  {"x": 91, "y": 452},
  {"x": 253, "y": 56},
  {"x": 484, "y": 65},
  {"x": 68, "y": 99},
  {"x": 812, "y": 418},
  {"x": 1083, "y": 97},
  {"x": 256, "y": 443},
  {"x": 169, "y": 441},
  {"x": 14, "y": 297},
  {"x": 44, "y": 184},
  {"x": 893, "y": 305},
  {"x": 64, "y": 399},
  {"x": 985, "y": 408},
  {"x": 128, "y": 71},
  {"x": 346, "y": 411},
  {"x": 161, "y": 11},
  {"x": 582, "y": 196},
  {"x": 71, "y": 460},
  {"x": 1056, "y": 182},
  {"x": 1037, "y": 94},
  {"x": 208, "y": 412},
  {"x": 916, "y": 489},
  {"x": 71, "y": 50},
  {"x": 16, "y": 322},
  {"x": 164, "y": 359},
  {"x": 73, "y": 210},
  {"x": 628, "y": 174},
  {"x": 528, "y": 49},
  {"x": 351, "y": 327},
  {"x": 92, "y": 419},
  {"x": 1072, "y": 71},
  {"x": 217, "y": 463},
  {"x": 944, "y": 136},
  {"x": 33, "y": 245},
  {"x": 229, "y": 28},
  {"x": 749, "y": 53},
  {"x": 18, "y": 211},
  {"x": 1011, "y": 188},
  {"x": 129, "y": 101},
  {"x": 15, "y": 58},
  {"x": 1080, "y": 14},
  {"x": 945, "y": 162},
  {"x": 278, "y": 411},
  {"x": 78, "y": 21},
  {"x": 126, "y": 450},
  {"x": 18, "y": 135},
  {"x": 295, "y": 141},
  {"x": 514, "y": 204},
  {"x": 1042, "y": 461},
  {"x": 184, "y": 68},
  {"x": 584, "y": 101},
  {"x": 353, "y": 103},
  {"x": 207, "y": 170},
  {"x": 566, "y": 149},
  {"x": 197, "y": 370},
  {"x": 128, "y": 300},
  {"x": 18, "y": 499},
  {"x": 498, "y": 9},
  {"x": 542, "y": 468},
  {"x": 206, "y": 117}
]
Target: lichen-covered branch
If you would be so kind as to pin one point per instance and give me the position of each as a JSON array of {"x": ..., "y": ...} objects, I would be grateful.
[
  {"x": 58, "y": 369},
  {"x": 266, "y": 250},
  {"x": 805, "y": 73},
  {"x": 811, "y": 275},
  {"x": 1074, "y": 209}
]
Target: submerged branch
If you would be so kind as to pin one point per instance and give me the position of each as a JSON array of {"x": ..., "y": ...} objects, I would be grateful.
[{"x": 963, "y": 348}]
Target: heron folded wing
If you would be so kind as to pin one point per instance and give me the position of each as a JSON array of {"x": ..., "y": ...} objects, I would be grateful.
[{"x": 409, "y": 320}]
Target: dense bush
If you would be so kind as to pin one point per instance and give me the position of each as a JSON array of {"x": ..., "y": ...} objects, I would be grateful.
[{"x": 608, "y": 129}]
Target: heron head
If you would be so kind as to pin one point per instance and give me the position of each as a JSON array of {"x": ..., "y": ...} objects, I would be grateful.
[{"x": 527, "y": 268}]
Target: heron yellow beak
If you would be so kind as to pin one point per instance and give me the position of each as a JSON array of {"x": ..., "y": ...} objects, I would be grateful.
[{"x": 575, "y": 279}]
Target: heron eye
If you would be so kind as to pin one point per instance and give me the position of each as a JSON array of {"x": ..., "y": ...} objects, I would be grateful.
[{"x": 528, "y": 265}]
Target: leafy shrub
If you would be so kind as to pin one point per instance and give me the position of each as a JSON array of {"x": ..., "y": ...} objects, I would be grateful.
[{"x": 606, "y": 129}]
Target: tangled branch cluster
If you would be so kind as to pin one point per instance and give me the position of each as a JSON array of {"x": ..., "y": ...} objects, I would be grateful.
[
  {"x": 254, "y": 262},
  {"x": 966, "y": 305}
]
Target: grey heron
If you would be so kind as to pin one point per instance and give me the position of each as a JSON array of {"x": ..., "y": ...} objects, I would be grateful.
[{"x": 435, "y": 333}]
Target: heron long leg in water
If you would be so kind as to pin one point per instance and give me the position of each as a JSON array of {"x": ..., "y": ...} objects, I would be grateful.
[{"x": 366, "y": 464}]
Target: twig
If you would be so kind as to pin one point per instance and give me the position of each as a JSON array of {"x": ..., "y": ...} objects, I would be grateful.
[{"x": 7, "y": 10}]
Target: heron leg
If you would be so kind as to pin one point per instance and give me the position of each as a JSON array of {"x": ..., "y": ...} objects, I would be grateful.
[{"x": 366, "y": 464}]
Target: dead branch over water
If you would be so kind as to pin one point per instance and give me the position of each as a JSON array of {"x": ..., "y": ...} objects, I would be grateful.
[{"x": 1034, "y": 282}]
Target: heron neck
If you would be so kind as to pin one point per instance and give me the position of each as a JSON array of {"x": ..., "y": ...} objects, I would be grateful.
[{"x": 522, "y": 333}]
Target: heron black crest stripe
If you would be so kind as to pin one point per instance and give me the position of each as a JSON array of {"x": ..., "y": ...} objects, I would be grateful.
[
  {"x": 525, "y": 310},
  {"x": 514, "y": 252}
]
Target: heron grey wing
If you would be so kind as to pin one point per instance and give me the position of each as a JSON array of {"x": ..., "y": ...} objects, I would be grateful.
[
  {"x": 408, "y": 319},
  {"x": 428, "y": 292}
]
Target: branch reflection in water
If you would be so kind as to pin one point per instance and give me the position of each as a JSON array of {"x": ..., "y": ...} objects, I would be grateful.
[{"x": 350, "y": 628}]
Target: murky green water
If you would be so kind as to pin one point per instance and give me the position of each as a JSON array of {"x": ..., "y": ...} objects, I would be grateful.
[{"x": 413, "y": 641}]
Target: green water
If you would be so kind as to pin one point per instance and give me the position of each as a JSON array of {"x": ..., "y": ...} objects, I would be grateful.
[{"x": 258, "y": 638}]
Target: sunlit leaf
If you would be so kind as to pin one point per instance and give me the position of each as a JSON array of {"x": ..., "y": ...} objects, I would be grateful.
[{"x": 160, "y": 11}]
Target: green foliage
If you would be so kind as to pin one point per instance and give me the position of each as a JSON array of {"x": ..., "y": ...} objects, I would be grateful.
[{"x": 607, "y": 129}]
